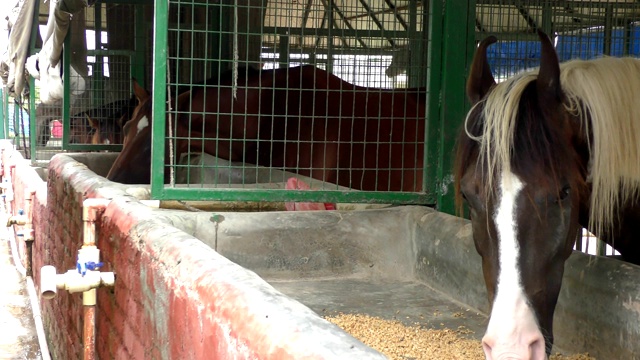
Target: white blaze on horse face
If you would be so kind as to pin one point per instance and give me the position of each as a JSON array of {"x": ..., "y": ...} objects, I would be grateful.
[
  {"x": 143, "y": 123},
  {"x": 513, "y": 330}
]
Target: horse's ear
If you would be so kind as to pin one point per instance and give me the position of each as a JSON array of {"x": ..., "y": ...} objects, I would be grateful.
[
  {"x": 480, "y": 78},
  {"x": 93, "y": 123},
  {"x": 140, "y": 92},
  {"x": 548, "y": 83}
]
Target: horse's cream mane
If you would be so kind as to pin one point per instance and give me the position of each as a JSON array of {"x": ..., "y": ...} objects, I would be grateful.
[{"x": 608, "y": 90}]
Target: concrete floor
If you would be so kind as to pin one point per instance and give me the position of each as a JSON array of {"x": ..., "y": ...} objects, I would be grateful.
[
  {"x": 409, "y": 302},
  {"x": 18, "y": 339}
]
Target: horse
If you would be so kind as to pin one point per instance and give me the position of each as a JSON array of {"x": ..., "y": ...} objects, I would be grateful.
[
  {"x": 106, "y": 122},
  {"x": 300, "y": 119},
  {"x": 541, "y": 155},
  {"x": 102, "y": 125}
]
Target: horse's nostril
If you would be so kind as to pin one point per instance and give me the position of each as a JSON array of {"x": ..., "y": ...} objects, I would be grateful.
[
  {"x": 538, "y": 349},
  {"x": 486, "y": 347}
]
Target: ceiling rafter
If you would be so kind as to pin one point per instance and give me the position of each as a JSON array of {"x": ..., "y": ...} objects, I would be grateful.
[
  {"x": 305, "y": 18},
  {"x": 401, "y": 20},
  {"x": 527, "y": 17},
  {"x": 376, "y": 21},
  {"x": 336, "y": 9},
  {"x": 386, "y": 11}
]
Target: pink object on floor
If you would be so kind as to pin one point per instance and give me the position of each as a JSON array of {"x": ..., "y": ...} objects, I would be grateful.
[
  {"x": 56, "y": 129},
  {"x": 296, "y": 184}
]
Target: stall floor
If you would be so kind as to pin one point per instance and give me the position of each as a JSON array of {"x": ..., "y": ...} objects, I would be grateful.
[{"x": 413, "y": 303}]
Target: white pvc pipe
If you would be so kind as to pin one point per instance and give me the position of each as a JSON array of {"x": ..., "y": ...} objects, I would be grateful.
[
  {"x": 91, "y": 210},
  {"x": 33, "y": 298},
  {"x": 48, "y": 282},
  {"x": 15, "y": 254},
  {"x": 37, "y": 318}
]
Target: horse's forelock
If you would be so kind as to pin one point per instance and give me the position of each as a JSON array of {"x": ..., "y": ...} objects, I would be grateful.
[
  {"x": 467, "y": 149},
  {"x": 542, "y": 149},
  {"x": 508, "y": 131}
]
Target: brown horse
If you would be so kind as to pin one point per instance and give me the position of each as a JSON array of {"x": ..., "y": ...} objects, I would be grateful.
[
  {"x": 299, "y": 119},
  {"x": 541, "y": 154},
  {"x": 101, "y": 125}
]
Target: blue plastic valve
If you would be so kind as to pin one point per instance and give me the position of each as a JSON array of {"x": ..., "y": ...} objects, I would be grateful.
[
  {"x": 93, "y": 266},
  {"x": 83, "y": 267}
]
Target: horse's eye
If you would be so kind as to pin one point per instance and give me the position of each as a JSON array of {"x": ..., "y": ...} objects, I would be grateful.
[{"x": 564, "y": 193}]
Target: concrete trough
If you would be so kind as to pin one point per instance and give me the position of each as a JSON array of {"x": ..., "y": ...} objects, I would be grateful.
[
  {"x": 255, "y": 285},
  {"x": 418, "y": 265}
]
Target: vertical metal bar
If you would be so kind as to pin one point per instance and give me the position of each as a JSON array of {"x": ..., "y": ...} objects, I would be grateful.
[
  {"x": 3, "y": 114},
  {"x": 330, "y": 25},
  {"x": 16, "y": 123},
  {"x": 97, "y": 90},
  {"x": 5, "y": 107},
  {"x": 434, "y": 84},
  {"x": 414, "y": 77},
  {"x": 627, "y": 39},
  {"x": 33, "y": 135},
  {"x": 139, "y": 38},
  {"x": 579, "y": 242},
  {"x": 447, "y": 102},
  {"x": 601, "y": 248},
  {"x": 225, "y": 38},
  {"x": 283, "y": 51},
  {"x": 547, "y": 19},
  {"x": 608, "y": 29},
  {"x": 66, "y": 93},
  {"x": 158, "y": 123}
]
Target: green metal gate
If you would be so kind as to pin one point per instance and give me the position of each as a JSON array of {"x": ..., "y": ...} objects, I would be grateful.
[
  {"x": 109, "y": 44},
  {"x": 361, "y": 41}
]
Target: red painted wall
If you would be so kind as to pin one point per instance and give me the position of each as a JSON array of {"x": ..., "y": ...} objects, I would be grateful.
[{"x": 174, "y": 297}]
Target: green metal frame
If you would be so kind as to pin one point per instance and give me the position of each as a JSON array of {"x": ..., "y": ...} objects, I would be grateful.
[
  {"x": 4, "y": 114},
  {"x": 135, "y": 62},
  {"x": 449, "y": 61},
  {"x": 32, "y": 86},
  {"x": 446, "y": 111}
]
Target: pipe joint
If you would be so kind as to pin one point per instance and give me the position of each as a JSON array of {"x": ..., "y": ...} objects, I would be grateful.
[
  {"x": 20, "y": 219},
  {"x": 72, "y": 281},
  {"x": 5, "y": 185},
  {"x": 92, "y": 208},
  {"x": 7, "y": 189},
  {"x": 26, "y": 234}
]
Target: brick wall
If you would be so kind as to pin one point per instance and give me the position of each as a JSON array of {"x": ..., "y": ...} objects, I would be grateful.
[{"x": 174, "y": 297}]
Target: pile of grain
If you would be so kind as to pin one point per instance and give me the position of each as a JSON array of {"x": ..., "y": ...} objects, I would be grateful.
[{"x": 397, "y": 341}]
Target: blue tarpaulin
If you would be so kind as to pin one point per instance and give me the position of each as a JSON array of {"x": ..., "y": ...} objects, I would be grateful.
[
  {"x": 509, "y": 57},
  {"x": 16, "y": 122}
]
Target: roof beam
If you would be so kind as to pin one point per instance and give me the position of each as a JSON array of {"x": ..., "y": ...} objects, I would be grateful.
[
  {"x": 386, "y": 11},
  {"x": 375, "y": 19},
  {"x": 305, "y": 17},
  {"x": 336, "y": 9},
  {"x": 525, "y": 14},
  {"x": 395, "y": 12}
]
